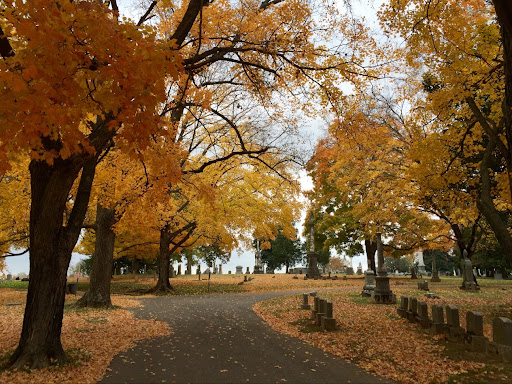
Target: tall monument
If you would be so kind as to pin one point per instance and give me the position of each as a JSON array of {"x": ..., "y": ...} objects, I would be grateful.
[
  {"x": 312, "y": 258},
  {"x": 418, "y": 258},
  {"x": 382, "y": 293},
  {"x": 258, "y": 265}
]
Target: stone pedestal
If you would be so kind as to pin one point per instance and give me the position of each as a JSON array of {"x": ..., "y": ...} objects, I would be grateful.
[
  {"x": 435, "y": 275},
  {"x": 312, "y": 266},
  {"x": 382, "y": 293},
  {"x": 258, "y": 270},
  {"x": 369, "y": 283}
]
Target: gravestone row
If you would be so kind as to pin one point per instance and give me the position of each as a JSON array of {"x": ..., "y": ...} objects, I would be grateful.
[
  {"x": 473, "y": 337},
  {"x": 322, "y": 312}
]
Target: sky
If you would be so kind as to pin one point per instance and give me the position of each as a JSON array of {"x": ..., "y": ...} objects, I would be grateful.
[{"x": 20, "y": 264}]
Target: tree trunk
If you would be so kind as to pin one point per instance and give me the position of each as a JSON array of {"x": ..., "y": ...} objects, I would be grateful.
[
  {"x": 51, "y": 245},
  {"x": 371, "y": 248},
  {"x": 163, "y": 260},
  {"x": 98, "y": 293},
  {"x": 503, "y": 10},
  {"x": 486, "y": 206}
]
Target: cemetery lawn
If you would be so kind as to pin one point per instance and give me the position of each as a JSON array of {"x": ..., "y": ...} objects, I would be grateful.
[
  {"x": 90, "y": 337},
  {"x": 378, "y": 340}
]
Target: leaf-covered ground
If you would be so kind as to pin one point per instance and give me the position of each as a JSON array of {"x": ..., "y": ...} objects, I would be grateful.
[
  {"x": 90, "y": 337},
  {"x": 375, "y": 338}
]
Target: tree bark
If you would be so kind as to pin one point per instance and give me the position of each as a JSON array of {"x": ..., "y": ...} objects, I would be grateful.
[
  {"x": 98, "y": 293},
  {"x": 486, "y": 206},
  {"x": 503, "y": 10},
  {"x": 371, "y": 248},
  {"x": 163, "y": 261},
  {"x": 51, "y": 245}
]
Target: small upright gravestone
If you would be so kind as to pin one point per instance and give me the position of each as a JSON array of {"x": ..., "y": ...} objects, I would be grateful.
[
  {"x": 453, "y": 331},
  {"x": 422, "y": 317},
  {"x": 247, "y": 270},
  {"x": 328, "y": 322},
  {"x": 404, "y": 306},
  {"x": 438, "y": 324},
  {"x": 423, "y": 285},
  {"x": 321, "y": 311},
  {"x": 413, "y": 309},
  {"x": 9, "y": 277},
  {"x": 315, "y": 307},
  {"x": 305, "y": 304},
  {"x": 468, "y": 280},
  {"x": 501, "y": 345},
  {"x": 239, "y": 269},
  {"x": 475, "y": 339}
]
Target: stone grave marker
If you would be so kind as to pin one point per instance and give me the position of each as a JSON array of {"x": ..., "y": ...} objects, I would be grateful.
[
  {"x": 475, "y": 339},
  {"x": 413, "y": 309},
  {"x": 305, "y": 304},
  {"x": 438, "y": 324},
  {"x": 315, "y": 307},
  {"x": 501, "y": 346},
  {"x": 404, "y": 306},
  {"x": 423, "y": 285},
  {"x": 453, "y": 331},
  {"x": 422, "y": 317},
  {"x": 328, "y": 322},
  {"x": 321, "y": 311}
]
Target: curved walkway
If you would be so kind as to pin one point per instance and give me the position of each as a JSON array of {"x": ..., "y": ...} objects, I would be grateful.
[{"x": 219, "y": 339}]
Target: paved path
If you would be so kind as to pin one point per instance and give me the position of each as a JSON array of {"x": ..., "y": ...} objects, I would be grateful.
[{"x": 219, "y": 339}]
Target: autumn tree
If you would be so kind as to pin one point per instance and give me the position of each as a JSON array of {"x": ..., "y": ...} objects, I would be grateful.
[
  {"x": 465, "y": 73},
  {"x": 61, "y": 65}
]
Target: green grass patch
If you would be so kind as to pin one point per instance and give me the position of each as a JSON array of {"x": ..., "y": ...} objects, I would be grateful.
[
  {"x": 356, "y": 298},
  {"x": 14, "y": 284}
]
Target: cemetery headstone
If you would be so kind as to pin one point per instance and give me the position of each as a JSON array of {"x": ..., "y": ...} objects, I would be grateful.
[
  {"x": 422, "y": 317},
  {"x": 321, "y": 311},
  {"x": 453, "y": 331},
  {"x": 369, "y": 283},
  {"x": 501, "y": 346},
  {"x": 9, "y": 277},
  {"x": 438, "y": 324},
  {"x": 404, "y": 306},
  {"x": 423, "y": 285},
  {"x": 328, "y": 322},
  {"x": 305, "y": 304},
  {"x": 239, "y": 269},
  {"x": 468, "y": 280},
  {"x": 315, "y": 307},
  {"x": 475, "y": 339},
  {"x": 413, "y": 309}
]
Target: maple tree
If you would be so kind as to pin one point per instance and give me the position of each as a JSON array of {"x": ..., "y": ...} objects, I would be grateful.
[
  {"x": 60, "y": 64},
  {"x": 467, "y": 75}
]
